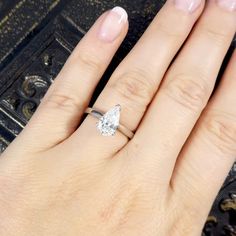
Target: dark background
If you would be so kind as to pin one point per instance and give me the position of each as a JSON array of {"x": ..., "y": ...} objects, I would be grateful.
[{"x": 37, "y": 36}]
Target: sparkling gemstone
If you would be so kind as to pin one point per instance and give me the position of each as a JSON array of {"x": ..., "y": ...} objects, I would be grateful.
[{"x": 109, "y": 122}]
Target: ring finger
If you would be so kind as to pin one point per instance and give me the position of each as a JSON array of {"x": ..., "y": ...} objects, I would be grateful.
[
  {"x": 136, "y": 80},
  {"x": 63, "y": 105}
]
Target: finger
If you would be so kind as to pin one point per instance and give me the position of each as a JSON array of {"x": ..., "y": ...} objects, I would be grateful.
[
  {"x": 136, "y": 80},
  {"x": 211, "y": 150},
  {"x": 61, "y": 109},
  {"x": 184, "y": 92}
]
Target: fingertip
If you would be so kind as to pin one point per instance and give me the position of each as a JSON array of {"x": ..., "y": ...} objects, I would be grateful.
[{"x": 113, "y": 24}]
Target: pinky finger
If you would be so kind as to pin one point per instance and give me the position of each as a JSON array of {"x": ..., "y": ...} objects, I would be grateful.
[{"x": 211, "y": 150}]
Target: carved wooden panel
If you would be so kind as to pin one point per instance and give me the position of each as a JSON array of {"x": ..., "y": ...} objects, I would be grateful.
[{"x": 36, "y": 38}]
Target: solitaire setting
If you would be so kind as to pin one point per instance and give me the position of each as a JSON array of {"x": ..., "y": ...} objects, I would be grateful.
[{"x": 109, "y": 122}]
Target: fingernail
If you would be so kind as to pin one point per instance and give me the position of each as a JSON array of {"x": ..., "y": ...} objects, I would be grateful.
[
  {"x": 227, "y": 4},
  {"x": 113, "y": 24},
  {"x": 187, "y": 5}
]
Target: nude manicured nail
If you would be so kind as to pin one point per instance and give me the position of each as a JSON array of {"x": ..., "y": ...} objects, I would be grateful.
[
  {"x": 228, "y": 4},
  {"x": 113, "y": 24},
  {"x": 187, "y": 5}
]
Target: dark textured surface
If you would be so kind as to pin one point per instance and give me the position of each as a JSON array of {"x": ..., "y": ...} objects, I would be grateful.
[{"x": 37, "y": 36}]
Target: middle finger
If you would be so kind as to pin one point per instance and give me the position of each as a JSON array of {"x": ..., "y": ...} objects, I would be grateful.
[{"x": 185, "y": 90}]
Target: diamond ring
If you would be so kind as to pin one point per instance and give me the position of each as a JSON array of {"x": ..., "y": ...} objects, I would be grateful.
[{"x": 109, "y": 122}]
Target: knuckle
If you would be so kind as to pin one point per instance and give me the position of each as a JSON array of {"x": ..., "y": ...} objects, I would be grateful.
[
  {"x": 167, "y": 30},
  {"x": 219, "y": 35},
  {"x": 63, "y": 101},
  {"x": 135, "y": 87},
  {"x": 221, "y": 130},
  {"x": 188, "y": 210},
  {"x": 87, "y": 61},
  {"x": 188, "y": 93},
  {"x": 124, "y": 193}
]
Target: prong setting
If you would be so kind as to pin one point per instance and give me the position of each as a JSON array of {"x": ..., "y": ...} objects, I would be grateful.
[{"x": 109, "y": 122}]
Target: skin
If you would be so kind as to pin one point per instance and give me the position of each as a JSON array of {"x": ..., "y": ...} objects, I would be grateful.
[{"x": 60, "y": 179}]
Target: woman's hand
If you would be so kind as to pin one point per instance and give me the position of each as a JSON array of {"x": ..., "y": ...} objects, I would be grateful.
[{"x": 59, "y": 179}]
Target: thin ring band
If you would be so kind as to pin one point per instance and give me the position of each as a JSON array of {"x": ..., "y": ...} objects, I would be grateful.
[{"x": 121, "y": 128}]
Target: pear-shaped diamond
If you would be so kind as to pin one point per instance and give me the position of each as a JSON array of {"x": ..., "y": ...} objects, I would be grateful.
[{"x": 109, "y": 122}]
